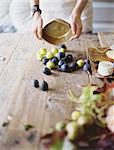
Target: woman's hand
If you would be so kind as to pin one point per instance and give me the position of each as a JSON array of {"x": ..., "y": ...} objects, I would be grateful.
[
  {"x": 76, "y": 24},
  {"x": 37, "y": 25}
]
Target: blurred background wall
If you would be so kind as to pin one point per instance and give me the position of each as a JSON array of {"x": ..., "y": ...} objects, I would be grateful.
[
  {"x": 103, "y": 19},
  {"x": 103, "y": 15}
]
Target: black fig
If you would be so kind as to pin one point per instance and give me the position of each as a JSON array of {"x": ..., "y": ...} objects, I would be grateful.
[
  {"x": 47, "y": 71},
  {"x": 68, "y": 58},
  {"x": 45, "y": 60},
  {"x": 35, "y": 83},
  {"x": 43, "y": 86}
]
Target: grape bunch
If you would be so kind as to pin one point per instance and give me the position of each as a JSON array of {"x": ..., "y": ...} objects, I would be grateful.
[{"x": 76, "y": 126}]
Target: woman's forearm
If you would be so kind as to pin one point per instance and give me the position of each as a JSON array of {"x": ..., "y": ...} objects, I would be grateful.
[
  {"x": 80, "y": 6},
  {"x": 35, "y": 2}
]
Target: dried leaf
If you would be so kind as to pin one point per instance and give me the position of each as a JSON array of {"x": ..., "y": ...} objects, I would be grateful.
[
  {"x": 28, "y": 127},
  {"x": 5, "y": 124}
]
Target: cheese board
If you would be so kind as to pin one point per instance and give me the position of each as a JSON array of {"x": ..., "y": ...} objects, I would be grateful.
[{"x": 98, "y": 55}]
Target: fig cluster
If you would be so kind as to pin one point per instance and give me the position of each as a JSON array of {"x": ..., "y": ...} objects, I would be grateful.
[
  {"x": 43, "y": 85},
  {"x": 57, "y": 59}
]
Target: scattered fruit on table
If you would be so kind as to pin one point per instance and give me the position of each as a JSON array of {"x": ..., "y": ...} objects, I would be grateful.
[
  {"x": 35, "y": 83},
  {"x": 39, "y": 56},
  {"x": 43, "y": 85},
  {"x": 47, "y": 71},
  {"x": 80, "y": 63},
  {"x": 86, "y": 61},
  {"x": 49, "y": 55},
  {"x": 55, "y": 60},
  {"x": 62, "y": 50},
  {"x": 61, "y": 62},
  {"x": 110, "y": 54},
  {"x": 63, "y": 46},
  {"x": 50, "y": 65},
  {"x": 60, "y": 55},
  {"x": 105, "y": 68},
  {"x": 60, "y": 126},
  {"x": 68, "y": 58},
  {"x": 65, "y": 68},
  {"x": 86, "y": 67},
  {"x": 43, "y": 51},
  {"x": 54, "y": 50},
  {"x": 75, "y": 115},
  {"x": 45, "y": 60},
  {"x": 73, "y": 66}
]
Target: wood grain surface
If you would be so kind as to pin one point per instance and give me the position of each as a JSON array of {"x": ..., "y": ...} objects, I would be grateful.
[{"x": 27, "y": 105}]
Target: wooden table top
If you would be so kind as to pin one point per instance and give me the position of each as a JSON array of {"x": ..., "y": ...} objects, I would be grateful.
[{"x": 27, "y": 105}]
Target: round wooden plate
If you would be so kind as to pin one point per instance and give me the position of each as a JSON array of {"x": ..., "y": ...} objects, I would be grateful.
[{"x": 57, "y": 32}]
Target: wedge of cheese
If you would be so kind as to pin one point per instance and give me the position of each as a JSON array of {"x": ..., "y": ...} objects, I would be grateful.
[
  {"x": 105, "y": 68},
  {"x": 110, "y": 54}
]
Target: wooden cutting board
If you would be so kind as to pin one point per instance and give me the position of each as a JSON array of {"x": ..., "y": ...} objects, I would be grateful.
[{"x": 96, "y": 55}]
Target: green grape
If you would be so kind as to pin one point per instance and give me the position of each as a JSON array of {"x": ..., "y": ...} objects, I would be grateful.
[
  {"x": 75, "y": 115},
  {"x": 72, "y": 129},
  {"x": 60, "y": 126}
]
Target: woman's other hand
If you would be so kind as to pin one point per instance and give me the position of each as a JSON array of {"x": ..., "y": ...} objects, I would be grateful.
[
  {"x": 76, "y": 24},
  {"x": 37, "y": 25}
]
